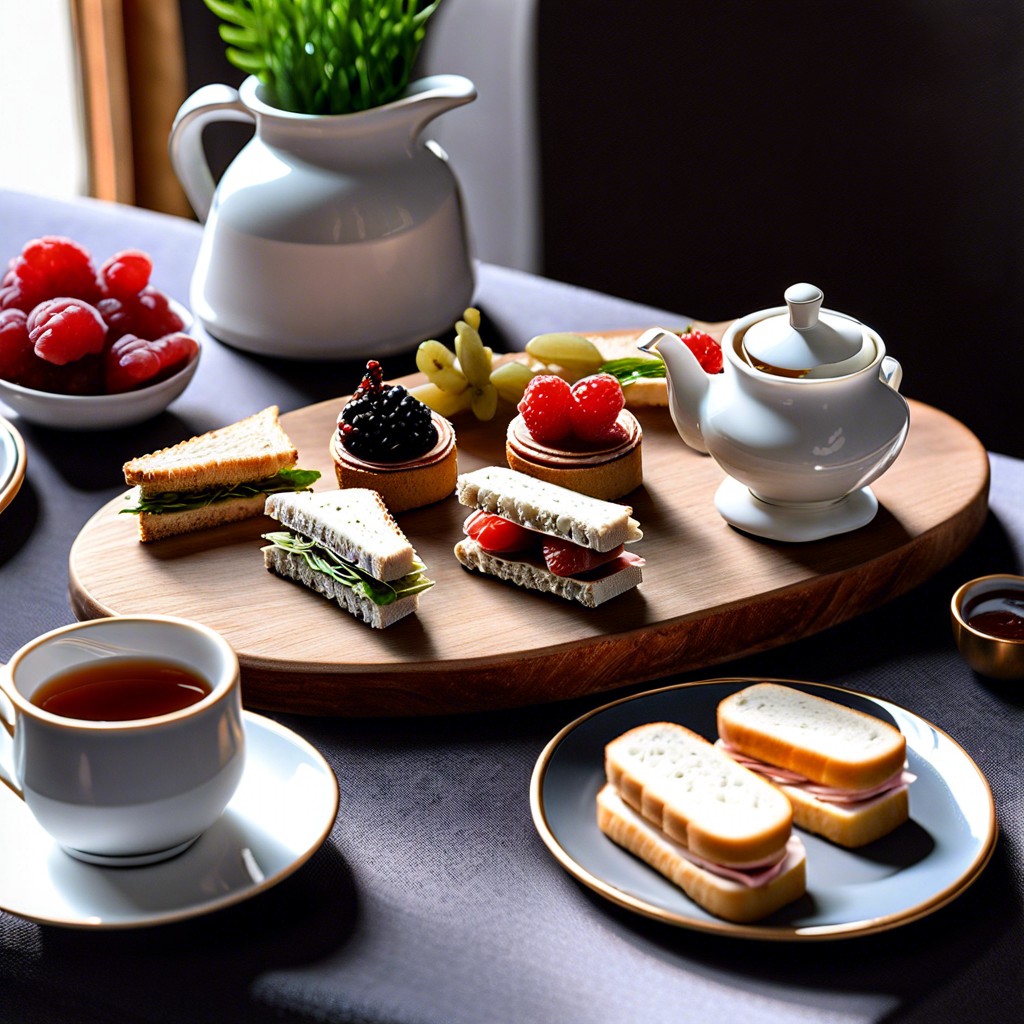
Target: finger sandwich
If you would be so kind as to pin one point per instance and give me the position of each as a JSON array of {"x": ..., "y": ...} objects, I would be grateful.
[
  {"x": 719, "y": 832},
  {"x": 346, "y": 546},
  {"x": 219, "y": 477},
  {"x": 563, "y": 542},
  {"x": 843, "y": 771}
]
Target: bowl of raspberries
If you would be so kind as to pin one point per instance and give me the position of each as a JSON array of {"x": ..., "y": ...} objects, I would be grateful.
[{"x": 87, "y": 347}]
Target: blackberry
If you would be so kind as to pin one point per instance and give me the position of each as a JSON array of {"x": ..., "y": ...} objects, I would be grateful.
[{"x": 383, "y": 422}]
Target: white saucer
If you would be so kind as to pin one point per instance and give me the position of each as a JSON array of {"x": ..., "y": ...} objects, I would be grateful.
[
  {"x": 12, "y": 463},
  {"x": 793, "y": 523},
  {"x": 283, "y": 810}
]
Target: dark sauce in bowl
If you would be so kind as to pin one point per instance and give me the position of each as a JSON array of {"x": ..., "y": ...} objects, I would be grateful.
[{"x": 998, "y": 613}]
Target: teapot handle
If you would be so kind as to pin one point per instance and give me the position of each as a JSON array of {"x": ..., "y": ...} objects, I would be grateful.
[
  {"x": 891, "y": 373},
  {"x": 205, "y": 105}
]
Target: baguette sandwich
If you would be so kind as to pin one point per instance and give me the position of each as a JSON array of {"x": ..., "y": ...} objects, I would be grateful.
[
  {"x": 345, "y": 545},
  {"x": 548, "y": 538},
  {"x": 218, "y": 477},
  {"x": 843, "y": 771},
  {"x": 718, "y": 831}
]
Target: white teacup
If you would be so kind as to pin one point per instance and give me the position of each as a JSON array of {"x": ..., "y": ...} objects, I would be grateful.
[{"x": 124, "y": 792}]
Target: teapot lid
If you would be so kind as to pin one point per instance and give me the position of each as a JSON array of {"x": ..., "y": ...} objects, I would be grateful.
[{"x": 806, "y": 337}]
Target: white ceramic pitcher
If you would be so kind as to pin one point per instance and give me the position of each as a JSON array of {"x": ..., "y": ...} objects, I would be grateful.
[{"x": 336, "y": 236}]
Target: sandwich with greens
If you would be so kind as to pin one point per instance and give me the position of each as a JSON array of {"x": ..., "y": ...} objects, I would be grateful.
[
  {"x": 222, "y": 476},
  {"x": 345, "y": 545}
]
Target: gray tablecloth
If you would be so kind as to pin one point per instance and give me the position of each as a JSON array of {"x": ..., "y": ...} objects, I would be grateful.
[{"x": 433, "y": 899}]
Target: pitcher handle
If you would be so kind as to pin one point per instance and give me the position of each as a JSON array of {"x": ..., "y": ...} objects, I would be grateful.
[
  {"x": 891, "y": 373},
  {"x": 205, "y": 105},
  {"x": 7, "y": 774}
]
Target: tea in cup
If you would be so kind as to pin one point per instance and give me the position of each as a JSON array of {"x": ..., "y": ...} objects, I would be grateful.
[{"x": 125, "y": 735}]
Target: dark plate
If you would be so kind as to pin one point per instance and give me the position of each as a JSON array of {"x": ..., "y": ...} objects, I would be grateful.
[{"x": 904, "y": 876}]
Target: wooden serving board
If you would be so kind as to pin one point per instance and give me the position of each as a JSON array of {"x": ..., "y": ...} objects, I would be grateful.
[{"x": 709, "y": 592}]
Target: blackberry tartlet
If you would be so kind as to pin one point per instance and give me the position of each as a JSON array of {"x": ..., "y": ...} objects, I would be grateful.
[{"x": 390, "y": 442}]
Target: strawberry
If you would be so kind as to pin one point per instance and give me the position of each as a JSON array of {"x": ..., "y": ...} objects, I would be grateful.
[
  {"x": 563, "y": 558},
  {"x": 496, "y": 534},
  {"x": 705, "y": 348}
]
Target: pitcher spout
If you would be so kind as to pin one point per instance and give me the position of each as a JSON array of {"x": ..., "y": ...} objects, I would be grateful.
[
  {"x": 687, "y": 383},
  {"x": 433, "y": 96}
]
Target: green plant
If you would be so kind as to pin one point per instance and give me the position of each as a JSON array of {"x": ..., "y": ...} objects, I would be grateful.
[{"x": 325, "y": 56}]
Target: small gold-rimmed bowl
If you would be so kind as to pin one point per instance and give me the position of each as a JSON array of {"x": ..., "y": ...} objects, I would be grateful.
[{"x": 988, "y": 625}]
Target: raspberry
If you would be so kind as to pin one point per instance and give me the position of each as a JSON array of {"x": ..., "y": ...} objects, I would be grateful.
[
  {"x": 597, "y": 402},
  {"x": 51, "y": 267},
  {"x": 126, "y": 273},
  {"x": 16, "y": 355},
  {"x": 705, "y": 348},
  {"x": 146, "y": 315},
  {"x": 81, "y": 377},
  {"x": 133, "y": 362},
  {"x": 64, "y": 329},
  {"x": 563, "y": 558},
  {"x": 545, "y": 408},
  {"x": 497, "y": 534}
]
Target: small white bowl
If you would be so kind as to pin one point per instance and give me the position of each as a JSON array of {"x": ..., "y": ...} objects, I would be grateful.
[{"x": 97, "y": 412}]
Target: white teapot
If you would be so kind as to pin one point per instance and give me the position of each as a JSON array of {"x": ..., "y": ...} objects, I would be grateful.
[{"x": 805, "y": 415}]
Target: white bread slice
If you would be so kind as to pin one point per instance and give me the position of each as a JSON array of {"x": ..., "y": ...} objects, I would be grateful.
[
  {"x": 849, "y": 825},
  {"x": 697, "y": 795},
  {"x": 352, "y": 522},
  {"x": 646, "y": 392},
  {"x": 548, "y": 508},
  {"x": 251, "y": 449},
  {"x": 294, "y": 567},
  {"x": 827, "y": 742},
  {"x": 589, "y": 593},
  {"x": 723, "y": 897}
]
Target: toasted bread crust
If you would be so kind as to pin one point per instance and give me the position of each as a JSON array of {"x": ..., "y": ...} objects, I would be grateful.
[
  {"x": 677, "y": 780},
  {"x": 589, "y": 593},
  {"x": 251, "y": 449},
  {"x": 827, "y": 742},
  {"x": 157, "y": 526},
  {"x": 723, "y": 897}
]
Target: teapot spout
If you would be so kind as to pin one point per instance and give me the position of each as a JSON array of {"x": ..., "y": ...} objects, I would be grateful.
[{"x": 687, "y": 383}]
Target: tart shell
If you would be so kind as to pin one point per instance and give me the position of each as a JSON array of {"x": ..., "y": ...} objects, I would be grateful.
[
  {"x": 607, "y": 473},
  {"x": 403, "y": 485}
]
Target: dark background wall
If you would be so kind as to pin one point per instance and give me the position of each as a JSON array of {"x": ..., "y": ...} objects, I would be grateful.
[{"x": 703, "y": 155}]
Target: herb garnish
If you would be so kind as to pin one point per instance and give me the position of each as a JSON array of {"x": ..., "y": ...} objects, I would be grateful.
[
  {"x": 629, "y": 370},
  {"x": 184, "y": 501},
  {"x": 320, "y": 559}
]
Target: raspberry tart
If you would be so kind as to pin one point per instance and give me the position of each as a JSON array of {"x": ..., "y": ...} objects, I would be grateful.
[
  {"x": 390, "y": 442},
  {"x": 580, "y": 437}
]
